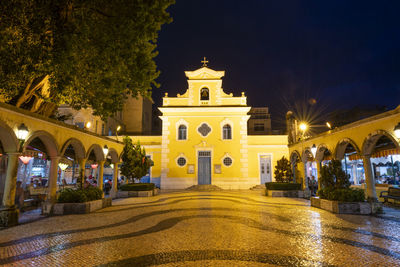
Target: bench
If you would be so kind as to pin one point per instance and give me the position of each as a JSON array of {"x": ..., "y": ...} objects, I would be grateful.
[{"x": 393, "y": 193}]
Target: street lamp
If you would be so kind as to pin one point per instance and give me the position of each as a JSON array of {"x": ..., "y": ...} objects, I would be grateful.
[
  {"x": 328, "y": 125},
  {"x": 116, "y": 132},
  {"x": 105, "y": 150},
  {"x": 303, "y": 127},
  {"x": 314, "y": 150},
  {"x": 397, "y": 130},
  {"x": 88, "y": 125}
]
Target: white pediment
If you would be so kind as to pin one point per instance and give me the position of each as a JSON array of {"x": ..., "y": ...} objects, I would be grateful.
[{"x": 204, "y": 73}]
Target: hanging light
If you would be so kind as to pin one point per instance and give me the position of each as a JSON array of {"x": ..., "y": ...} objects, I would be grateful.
[
  {"x": 397, "y": 130},
  {"x": 94, "y": 166},
  {"x": 22, "y": 132},
  {"x": 25, "y": 159},
  {"x": 112, "y": 165},
  {"x": 105, "y": 150},
  {"x": 63, "y": 166},
  {"x": 314, "y": 150}
]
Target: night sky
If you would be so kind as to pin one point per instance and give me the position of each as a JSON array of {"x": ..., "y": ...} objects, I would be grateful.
[{"x": 340, "y": 53}]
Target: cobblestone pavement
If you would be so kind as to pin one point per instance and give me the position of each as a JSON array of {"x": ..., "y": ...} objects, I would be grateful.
[{"x": 224, "y": 228}]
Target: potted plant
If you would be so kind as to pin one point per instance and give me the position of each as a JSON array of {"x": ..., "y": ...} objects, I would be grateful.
[
  {"x": 80, "y": 200},
  {"x": 336, "y": 195}
]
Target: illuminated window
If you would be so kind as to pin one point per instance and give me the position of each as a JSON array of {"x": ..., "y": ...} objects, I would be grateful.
[
  {"x": 227, "y": 161},
  {"x": 226, "y": 132},
  {"x": 204, "y": 94},
  {"x": 181, "y": 161},
  {"x": 182, "y": 132}
]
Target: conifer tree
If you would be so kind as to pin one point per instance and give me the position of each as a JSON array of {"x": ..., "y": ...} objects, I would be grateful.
[
  {"x": 283, "y": 171},
  {"x": 135, "y": 164}
]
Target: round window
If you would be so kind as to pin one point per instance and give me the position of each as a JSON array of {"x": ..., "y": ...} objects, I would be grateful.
[
  {"x": 227, "y": 161},
  {"x": 181, "y": 161}
]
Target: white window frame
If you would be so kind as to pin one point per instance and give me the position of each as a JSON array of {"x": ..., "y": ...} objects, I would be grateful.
[
  {"x": 222, "y": 124},
  {"x": 179, "y": 123},
  {"x": 181, "y": 156},
  {"x": 227, "y": 155}
]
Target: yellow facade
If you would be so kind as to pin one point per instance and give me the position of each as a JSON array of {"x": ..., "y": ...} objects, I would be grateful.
[{"x": 230, "y": 161}]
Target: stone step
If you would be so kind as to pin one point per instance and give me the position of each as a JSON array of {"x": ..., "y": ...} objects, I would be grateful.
[
  {"x": 204, "y": 187},
  {"x": 258, "y": 187}
]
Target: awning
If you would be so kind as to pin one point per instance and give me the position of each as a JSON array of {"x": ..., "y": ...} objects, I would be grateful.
[{"x": 378, "y": 154}]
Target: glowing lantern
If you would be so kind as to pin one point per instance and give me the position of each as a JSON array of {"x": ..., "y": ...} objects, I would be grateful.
[
  {"x": 314, "y": 150},
  {"x": 397, "y": 130},
  {"x": 25, "y": 159},
  {"x": 62, "y": 166},
  {"x": 94, "y": 166},
  {"x": 22, "y": 132}
]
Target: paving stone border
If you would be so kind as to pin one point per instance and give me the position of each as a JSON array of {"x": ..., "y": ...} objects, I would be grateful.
[
  {"x": 283, "y": 193},
  {"x": 358, "y": 208},
  {"x": 81, "y": 208}
]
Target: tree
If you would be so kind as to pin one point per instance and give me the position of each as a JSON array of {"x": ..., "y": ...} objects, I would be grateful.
[
  {"x": 283, "y": 171},
  {"x": 333, "y": 176},
  {"x": 82, "y": 53},
  {"x": 135, "y": 164}
]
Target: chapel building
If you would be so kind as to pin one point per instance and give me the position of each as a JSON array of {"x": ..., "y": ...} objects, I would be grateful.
[{"x": 205, "y": 139}]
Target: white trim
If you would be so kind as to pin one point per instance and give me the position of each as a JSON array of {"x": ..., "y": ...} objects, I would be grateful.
[
  {"x": 201, "y": 123},
  {"x": 244, "y": 109}
]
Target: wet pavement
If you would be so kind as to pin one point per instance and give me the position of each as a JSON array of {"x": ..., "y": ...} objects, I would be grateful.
[{"x": 223, "y": 228}]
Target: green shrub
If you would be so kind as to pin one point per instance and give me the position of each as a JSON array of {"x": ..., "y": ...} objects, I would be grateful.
[
  {"x": 93, "y": 193},
  {"x": 283, "y": 186},
  {"x": 137, "y": 187},
  {"x": 342, "y": 194},
  {"x": 71, "y": 195}
]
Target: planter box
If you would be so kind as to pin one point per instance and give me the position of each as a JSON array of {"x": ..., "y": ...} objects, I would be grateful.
[
  {"x": 359, "y": 208},
  {"x": 284, "y": 193},
  {"x": 149, "y": 193},
  {"x": 80, "y": 208}
]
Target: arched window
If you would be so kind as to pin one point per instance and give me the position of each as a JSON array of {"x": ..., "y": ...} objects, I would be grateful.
[
  {"x": 226, "y": 132},
  {"x": 204, "y": 94},
  {"x": 182, "y": 132}
]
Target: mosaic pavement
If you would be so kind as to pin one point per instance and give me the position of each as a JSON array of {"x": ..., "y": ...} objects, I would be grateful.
[{"x": 224, "y": 228}]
